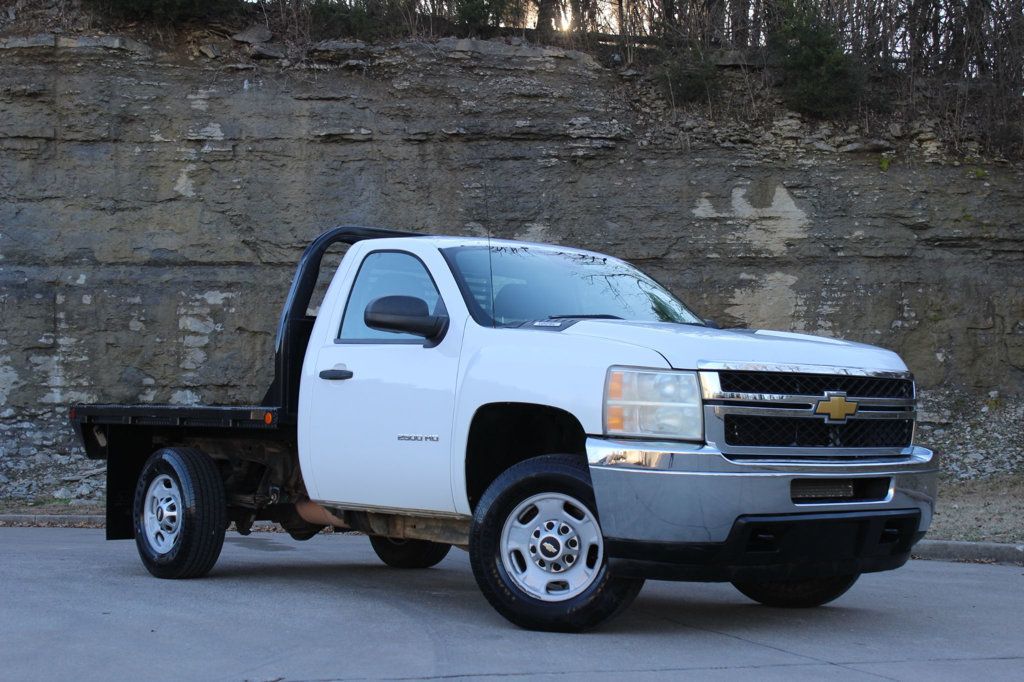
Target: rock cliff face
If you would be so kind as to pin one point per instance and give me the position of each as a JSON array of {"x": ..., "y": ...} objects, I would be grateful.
[{"x": 152, "y": 208}]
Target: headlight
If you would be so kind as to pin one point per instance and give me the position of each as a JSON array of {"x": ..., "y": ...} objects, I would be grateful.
[{"x": 653, "y": 403}]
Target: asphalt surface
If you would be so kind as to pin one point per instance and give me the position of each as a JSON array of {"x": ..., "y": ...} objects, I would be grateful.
[{"x": 73, "y": 606}]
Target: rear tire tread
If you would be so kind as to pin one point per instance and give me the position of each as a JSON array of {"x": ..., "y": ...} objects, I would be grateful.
[{"x": 213, "y": 513}]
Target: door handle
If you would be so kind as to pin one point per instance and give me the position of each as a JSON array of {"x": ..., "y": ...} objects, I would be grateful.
[{"x": 336, "y": 374}]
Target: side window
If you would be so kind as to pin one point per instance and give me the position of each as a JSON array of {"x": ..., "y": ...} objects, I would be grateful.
[{"x": 386, "y": 273}]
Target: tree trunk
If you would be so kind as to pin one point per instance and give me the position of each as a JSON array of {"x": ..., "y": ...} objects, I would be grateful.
[
  {"x": 976, "y": 35},
  {"x": 739, "y": 21},
  {"x": 668, "y": 15},
  {"x": 547, "y": 14},
  {"x": 716, "y": 22}
]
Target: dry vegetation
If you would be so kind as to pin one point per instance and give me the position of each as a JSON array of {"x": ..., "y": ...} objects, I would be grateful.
[{"x": 958, "y": 64}]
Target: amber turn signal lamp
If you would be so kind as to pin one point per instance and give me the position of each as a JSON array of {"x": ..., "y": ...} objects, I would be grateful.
[
  {"x": 615, "y": 418},
  {"x": 615, "y": 386}
]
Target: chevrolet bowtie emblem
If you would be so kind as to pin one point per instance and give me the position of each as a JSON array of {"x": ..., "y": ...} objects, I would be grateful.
[{"x": 835, "y": 408}]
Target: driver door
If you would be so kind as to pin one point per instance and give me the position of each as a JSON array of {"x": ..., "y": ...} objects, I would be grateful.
[{"x": 382, "y": 437}]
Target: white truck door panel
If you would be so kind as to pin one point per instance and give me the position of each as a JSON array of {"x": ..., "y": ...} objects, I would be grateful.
[{"x": 382, "y": 438}]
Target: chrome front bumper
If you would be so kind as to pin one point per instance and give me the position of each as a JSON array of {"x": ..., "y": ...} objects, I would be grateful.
[{"x": 682, "y": 493}]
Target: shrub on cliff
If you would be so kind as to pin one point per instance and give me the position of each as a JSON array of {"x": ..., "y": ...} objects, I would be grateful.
[
  {"x": 167, "y": 10},
  {"x": 483, "y": 16},
  {"x": 688, "y": 76},
  {"x": 363, "y": 19},
  {"x": 818, "y": 77}
]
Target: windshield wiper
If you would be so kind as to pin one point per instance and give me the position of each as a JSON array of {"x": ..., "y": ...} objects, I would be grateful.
[{"x": 597, "y": 316}]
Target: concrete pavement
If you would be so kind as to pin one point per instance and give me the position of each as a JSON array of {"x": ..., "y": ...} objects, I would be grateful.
[{"x": 74, "y": 606}]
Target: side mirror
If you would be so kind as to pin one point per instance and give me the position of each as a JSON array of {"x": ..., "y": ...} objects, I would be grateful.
[
  {"x": 711, "y": 323},
  {"x": 404, "y": 314}
]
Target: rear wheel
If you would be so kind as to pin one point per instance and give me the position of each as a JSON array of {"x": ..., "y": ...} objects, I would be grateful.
[
  {"x": 180, "y": 513},
  {"x": 537, "y": 550},
  {"x": 408, "y": 553},
  {"x": 796, "y": 594}
]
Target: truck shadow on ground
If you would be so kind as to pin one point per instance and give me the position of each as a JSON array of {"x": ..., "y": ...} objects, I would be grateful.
[
  {"x": 260, "y": 544},
  {"x": 449, "y": 592},
  {"x": 689, "y": 613}
]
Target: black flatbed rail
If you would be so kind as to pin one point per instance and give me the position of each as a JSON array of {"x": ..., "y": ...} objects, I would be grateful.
[{"x": 198, "y": 416}]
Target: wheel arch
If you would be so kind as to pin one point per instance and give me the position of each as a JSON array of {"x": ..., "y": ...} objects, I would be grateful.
[{"x": 506, "y": 433}]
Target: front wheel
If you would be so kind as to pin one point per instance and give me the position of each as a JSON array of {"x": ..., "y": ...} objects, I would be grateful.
[
  {"x": 537, "y": 551},
  {"x": 796, "y": 594},
  {"x": 408, "y": 553},
  {"x": 180, "y": 513}
]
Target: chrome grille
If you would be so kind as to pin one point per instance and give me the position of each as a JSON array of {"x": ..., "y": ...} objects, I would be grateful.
[
  {"x": 772, "y": 414},
  {"x": 815, "y": 384}
]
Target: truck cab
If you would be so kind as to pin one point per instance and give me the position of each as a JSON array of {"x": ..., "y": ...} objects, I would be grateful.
[{"x": 555, "y": 412}]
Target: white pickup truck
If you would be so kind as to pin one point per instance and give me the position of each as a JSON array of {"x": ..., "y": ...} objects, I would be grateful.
[{"x": 555, "y": 412}]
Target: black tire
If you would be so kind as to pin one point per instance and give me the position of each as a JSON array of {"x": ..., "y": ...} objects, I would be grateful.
[
  {"x": 796, "y": 594},
  {"x": 200, "y": 521},
  {"x": 602, "y": 599},
  {"x": 409, "y": 553}
]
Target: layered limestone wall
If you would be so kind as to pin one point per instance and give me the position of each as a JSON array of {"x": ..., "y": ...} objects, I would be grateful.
[{"x": 152, "y": 208}]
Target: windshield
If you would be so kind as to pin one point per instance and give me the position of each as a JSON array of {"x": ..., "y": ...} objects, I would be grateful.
[{"x": 519, "y": 284}]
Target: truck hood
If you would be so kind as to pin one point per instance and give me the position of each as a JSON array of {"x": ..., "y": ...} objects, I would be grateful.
[{"x": 694, "y": 347}]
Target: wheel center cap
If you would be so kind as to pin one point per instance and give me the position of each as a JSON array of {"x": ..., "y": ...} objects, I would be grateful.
[{"x": 550, "y": 547}]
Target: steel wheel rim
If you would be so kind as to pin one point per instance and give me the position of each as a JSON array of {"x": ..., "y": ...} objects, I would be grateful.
[
  {"x": 551, "y": 547},
  {"x": 161, "y": 514}
]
